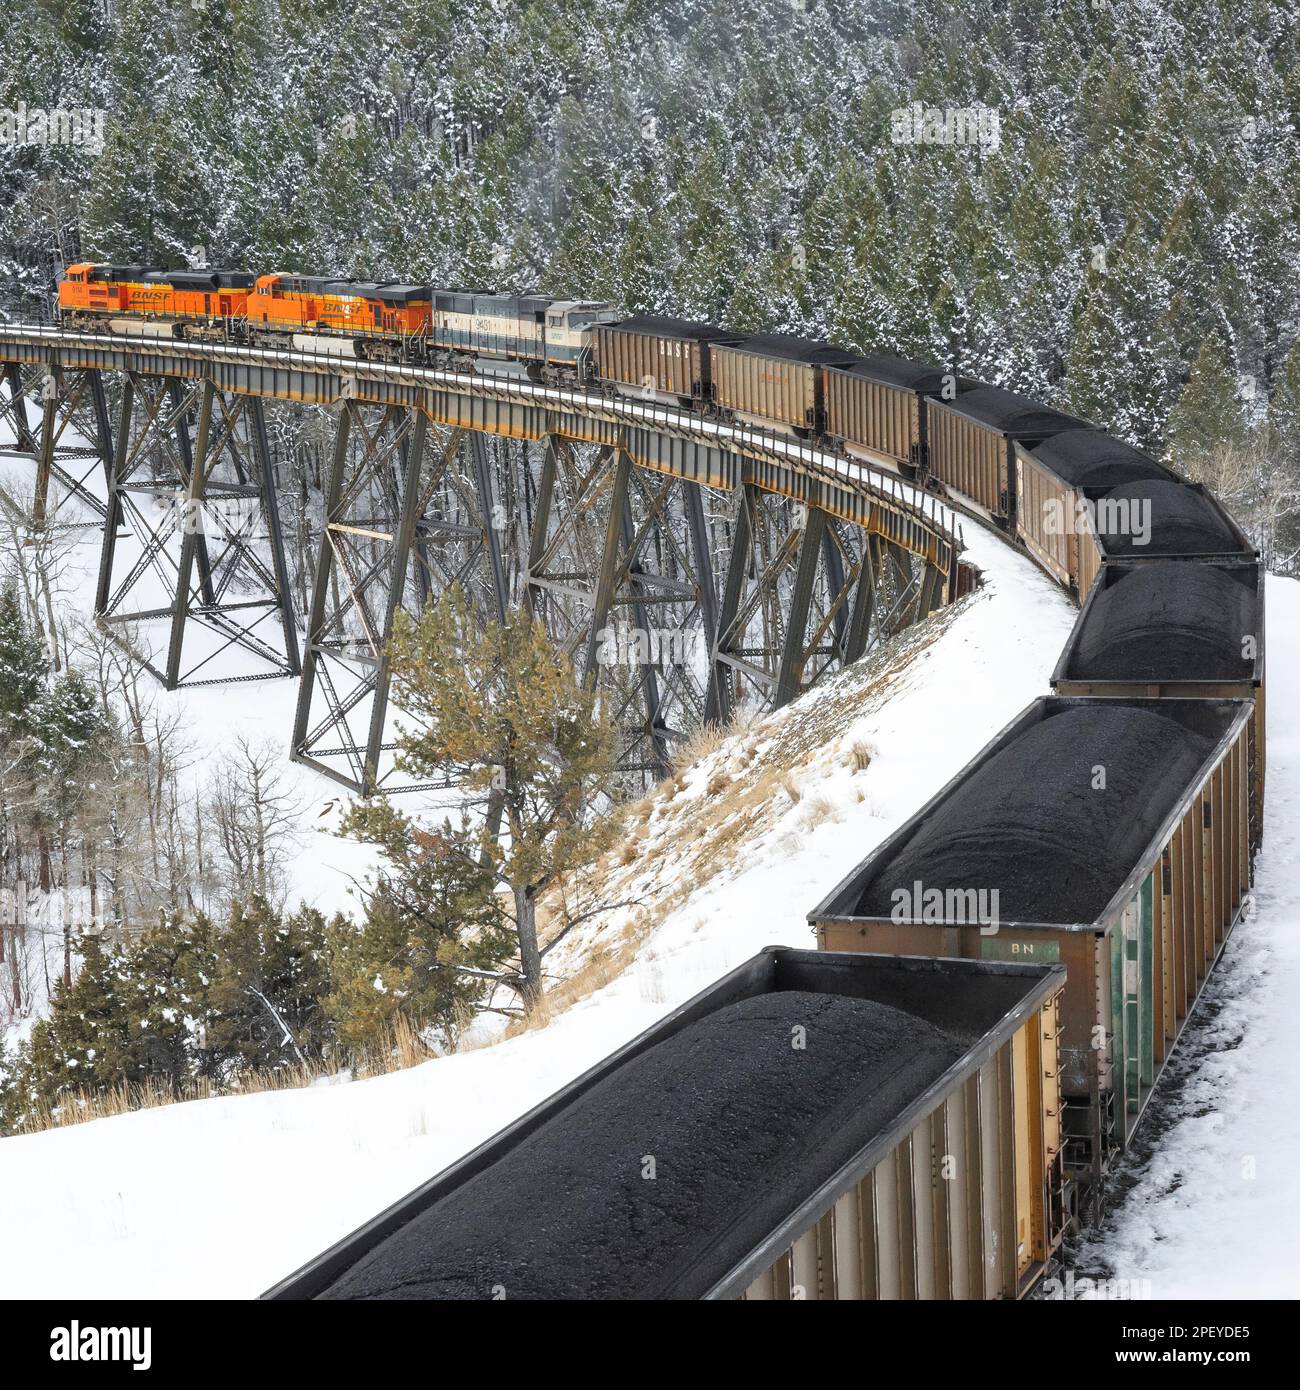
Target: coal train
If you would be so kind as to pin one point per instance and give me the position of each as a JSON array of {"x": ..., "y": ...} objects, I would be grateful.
[
  {"x": 1070, "y": 493},
  {"x": 1116, "y": 821}
]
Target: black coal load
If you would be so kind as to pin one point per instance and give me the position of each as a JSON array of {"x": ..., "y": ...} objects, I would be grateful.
[
  {"x": 912, "y": 376},
  {"x": 1033, "y": 823},
  {"x": 1182, "y": 521},
  {"x": 1167, "y": 621},
  {"x": 740, "y": 1123},
  {"x": 659, "y": 326},
  {"x": 1093, "y": 458},
  {"x": 1014, "y": 415}
]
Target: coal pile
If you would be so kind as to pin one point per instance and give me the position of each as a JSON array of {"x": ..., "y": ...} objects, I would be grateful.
[
  {"x": 1031, "y": 824},
  {"x": 1093, "y": 458},
  {"x": 741, "y": 1124},
  {"x": 1172, "y": 620},
  {"x": 1013, "y": 414},
  {"x": 913, "y": 376},
  {"x": 795, "y": 349},
  {"x": 1183, "y": 522},
  {"x": 659, "y": 326}
]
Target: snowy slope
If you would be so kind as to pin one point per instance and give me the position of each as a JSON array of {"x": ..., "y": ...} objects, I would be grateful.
[{"x": 221, "y": 1198}]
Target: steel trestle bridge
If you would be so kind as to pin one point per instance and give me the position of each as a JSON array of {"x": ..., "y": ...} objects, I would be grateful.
[{"x": 602, "y": 514}]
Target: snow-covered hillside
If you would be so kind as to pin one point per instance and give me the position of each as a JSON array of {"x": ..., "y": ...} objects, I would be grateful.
[{"x": 221, "y": 1198}]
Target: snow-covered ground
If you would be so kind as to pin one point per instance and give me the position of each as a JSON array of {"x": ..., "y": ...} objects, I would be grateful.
[
  {"x": 223, "y": 1197},
  {"x": 324, "y": 866}
]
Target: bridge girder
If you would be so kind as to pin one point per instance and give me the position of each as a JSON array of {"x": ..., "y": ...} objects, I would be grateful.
[
  {"x": 70, "y": 439},
  {"x": 192, "y": 531}
]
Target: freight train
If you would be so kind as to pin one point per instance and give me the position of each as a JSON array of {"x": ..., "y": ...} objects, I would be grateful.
[
  {"x": 1117, "y": 820},
  {"x": 1064, "y": 489}
]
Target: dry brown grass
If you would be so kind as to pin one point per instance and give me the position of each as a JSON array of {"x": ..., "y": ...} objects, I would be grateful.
[
  {"x": 601, "y": 966},
  {"x": 705, "y": 741},
  {"x": 818, "y": 811},
  {"x": 402, "y": 1048},
  {"x": 860, "y": 755},
  {"x": 692, "y": 842}
]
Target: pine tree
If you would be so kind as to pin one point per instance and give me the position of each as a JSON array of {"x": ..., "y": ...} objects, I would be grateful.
[
  {"x": 23, "y": 667},
  {"x": 1284, "y": 439},
  {"x": 163, "y": 983},
  {"x": 501, "y": 713},
  {"x": 74, "y": 727},
  {"x": 265, "y": 1001},
  {"x": 432, "y": 936},
  {"x": 1207, "y": 418},
  {"x": 84, "y": 1044}
]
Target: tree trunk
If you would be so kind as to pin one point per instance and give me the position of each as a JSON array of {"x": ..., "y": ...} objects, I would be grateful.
[
  {"x": 54, "y": 626},
  {"x": 530, "y": 956},
  {"x": 67, "y": 925},
  {"x": 92, "y": 877},
  {"x": 13, "y": 967},
  {"x": 492, "y": 826},
  {"x": 46, "y": 868}
]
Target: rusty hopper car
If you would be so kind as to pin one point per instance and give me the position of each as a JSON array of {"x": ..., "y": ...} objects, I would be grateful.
[
  {"x": 1174, "y": 628},
  {"x": 876, "y": 408},
  {"x": 820, "y": 1182},
  {"x": 775, "y": 380},
  {"x": 1056, "y": 482},
  {"x": 657, "y": 358},
  {"x": 1116, "y": 834},
  {"x": 972, "y": 442}
]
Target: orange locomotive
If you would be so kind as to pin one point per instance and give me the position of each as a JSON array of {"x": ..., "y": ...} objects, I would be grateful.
[
  {"x": 138, "y": 298},
  {"x": 317, "y": 304},
  {"x": 319, "y": 311}
]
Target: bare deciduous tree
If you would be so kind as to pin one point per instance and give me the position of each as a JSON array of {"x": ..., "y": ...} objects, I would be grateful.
[{"x": 256, "y": 818}]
